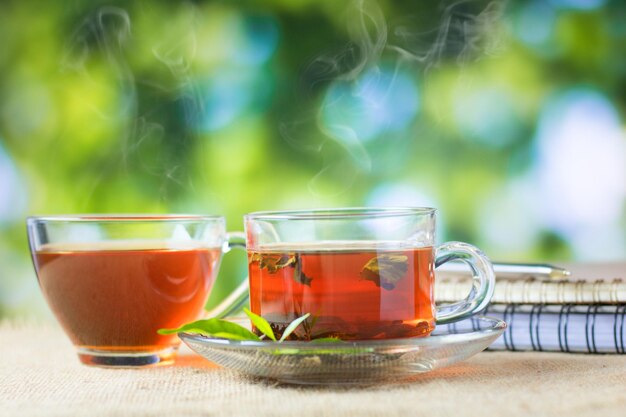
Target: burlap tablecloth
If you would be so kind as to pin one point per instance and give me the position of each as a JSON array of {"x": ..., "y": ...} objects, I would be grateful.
[{"x": 41, "y": 376}]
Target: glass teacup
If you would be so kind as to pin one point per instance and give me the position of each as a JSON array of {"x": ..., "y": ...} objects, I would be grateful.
[
  {"x": 361, "y": 273},
  {"x": 113, "y": 281}
]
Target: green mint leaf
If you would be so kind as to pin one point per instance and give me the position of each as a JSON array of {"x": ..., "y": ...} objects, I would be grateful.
[
  {"x": 386, "y": 270},
  {"x": 261, "y": 324},
  {"x": 298, "y": 274},
  {"x": 292, "y": 326},
  {"x": 214, "y": 328}
]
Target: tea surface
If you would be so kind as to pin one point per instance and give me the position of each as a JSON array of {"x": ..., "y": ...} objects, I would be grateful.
[
  {"x": 117, "y": 297},
  {"x": 353, "y": 294}
]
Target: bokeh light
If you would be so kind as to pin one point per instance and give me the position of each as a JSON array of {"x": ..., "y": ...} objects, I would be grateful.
[
  {"x": 534, "y": 24},
  {"x": 578, "y": 4},
  {"x": 13, "y": 191},
  {"x": 382, "y": 99},
  {"x": 510, "y": 219},
  {"x": 581, "y": 168},
  {"x": 487, "y": 115},
  {"x": 227, "y": 95},
  {"x": 508, "y": 117}
]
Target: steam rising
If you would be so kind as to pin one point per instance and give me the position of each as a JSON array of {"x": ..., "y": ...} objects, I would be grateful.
[
  {"x": 464, "y": 33},
  {"x": 105, "y": 35},
  {"x": 373, "y": 60},
  {"x": 107, "y": 32},
  {"x": 171, "y": 55}
]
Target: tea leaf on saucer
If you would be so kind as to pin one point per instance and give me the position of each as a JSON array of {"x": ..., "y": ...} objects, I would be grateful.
[
  {"x": 261, "y": 324},
  {"x": 292, "y": 326},
  {"x": 214, "y": 328},
  {"x": 299, "y": 275},
  {"x": 386, "y": 270},
  {"x": 228, "y": 330}
]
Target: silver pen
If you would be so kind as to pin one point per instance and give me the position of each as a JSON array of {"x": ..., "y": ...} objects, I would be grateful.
[{"x": 512, "y": 270}]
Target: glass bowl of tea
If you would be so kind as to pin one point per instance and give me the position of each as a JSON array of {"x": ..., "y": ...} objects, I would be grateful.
[
  {"x": 113, "y": 280},
  {"x": 362, "y": 273}
]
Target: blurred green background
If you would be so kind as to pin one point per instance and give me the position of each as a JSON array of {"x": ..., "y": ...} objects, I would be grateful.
[{"x": 506, "y": 116}]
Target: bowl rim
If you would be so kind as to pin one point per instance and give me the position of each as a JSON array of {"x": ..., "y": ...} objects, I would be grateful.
[
  {"x": 121, "y": 218},
  {"x": 341, "y": 213}
]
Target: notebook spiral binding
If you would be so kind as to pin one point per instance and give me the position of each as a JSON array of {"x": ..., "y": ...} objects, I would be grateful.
[
  {"x": 573, "y": 328},
  {"x": 533, "y": 290}
]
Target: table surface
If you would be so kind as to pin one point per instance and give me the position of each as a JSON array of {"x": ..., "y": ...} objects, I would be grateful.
[{"x": 41, "y": 376}]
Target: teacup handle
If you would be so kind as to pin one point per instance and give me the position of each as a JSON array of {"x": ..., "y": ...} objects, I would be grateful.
[
  {"x": 238, "y": 298},
  {"x": 482, "y": 286}
]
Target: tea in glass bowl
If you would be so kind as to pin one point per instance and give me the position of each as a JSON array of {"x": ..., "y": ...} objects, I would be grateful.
[
  {"x": 359, "y": 273},
  {"x": 353, "y": 290},
  {"x": 113, "y": 281}
]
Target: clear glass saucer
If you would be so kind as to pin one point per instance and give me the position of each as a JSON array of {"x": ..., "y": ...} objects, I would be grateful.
[{"x": 350, "y": 363}]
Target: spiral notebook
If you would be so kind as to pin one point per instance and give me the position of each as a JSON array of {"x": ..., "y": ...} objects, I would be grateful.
[
  {"x": 581, "y": 314},
  {"x": 558, "y": 328}
]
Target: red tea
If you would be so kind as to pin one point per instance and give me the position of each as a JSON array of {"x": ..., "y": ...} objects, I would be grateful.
[
  {"x": 353, "y": 294},
  {"x": 116, "y": 298}
]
